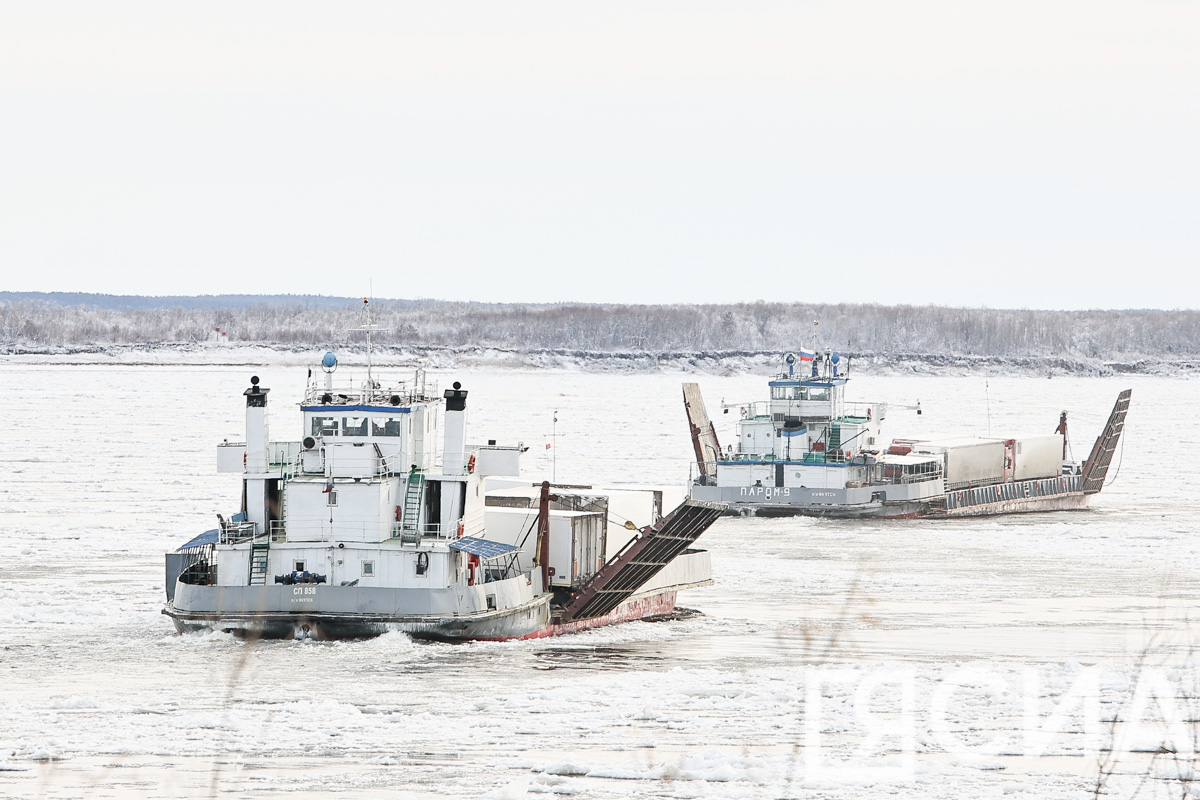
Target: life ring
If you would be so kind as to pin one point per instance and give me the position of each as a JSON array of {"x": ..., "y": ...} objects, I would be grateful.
[
  {"x": 472, "y": 563},
  {"x": 460, "y": 529},
  {"x": 243, "y": 459},
  {"x": 471, "y": 465}
]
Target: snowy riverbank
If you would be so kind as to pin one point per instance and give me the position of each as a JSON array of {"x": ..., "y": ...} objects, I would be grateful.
[{"x": 715, "y": 363}]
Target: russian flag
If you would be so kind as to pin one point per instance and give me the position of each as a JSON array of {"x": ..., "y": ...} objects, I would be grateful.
[{"x": 807, "y": 355}]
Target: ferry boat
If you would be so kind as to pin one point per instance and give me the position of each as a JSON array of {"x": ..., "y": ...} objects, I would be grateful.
[
  {"x": 807, "y": 451},
  {"x": 381, "y": 518}
]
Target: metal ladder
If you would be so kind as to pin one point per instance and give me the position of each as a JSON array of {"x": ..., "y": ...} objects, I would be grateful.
[
  {"x": 258, "y": 560},
  {"x": 409, "y": 530}
]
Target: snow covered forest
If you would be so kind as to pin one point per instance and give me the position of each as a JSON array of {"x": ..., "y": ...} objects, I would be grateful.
[{"x": 45, "y": 322}]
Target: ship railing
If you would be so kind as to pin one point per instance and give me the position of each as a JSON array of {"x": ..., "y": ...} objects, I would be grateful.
[
  {"x": 754, "y": 409},
  {"x": 408, "y": 534},
  {"x": 283, "y": 453},
  {"x": 1018, "y": 490},
  {"x": 807, "y": 457},
  {"x": 278, "y": 531},
  {"x": 703, "y": 474},
  {"x": 401, "y": 393},
  {"x": 823, "y": 457},
  {"x": 386, "y": 465},
  {"x": 906, "y": 473},
  {"x": 750, "y": 458},
  {"x": 199, "y": 567},
  {"x": 238, "y": 532}
]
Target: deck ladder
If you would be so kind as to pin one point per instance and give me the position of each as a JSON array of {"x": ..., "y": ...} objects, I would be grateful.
[
  {"x": 409, "y": 522},
  {"x": 258, "y": 560}
]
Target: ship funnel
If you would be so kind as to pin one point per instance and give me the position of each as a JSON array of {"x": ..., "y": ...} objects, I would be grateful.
[
  {"x": 257, "y": 436},
  {"x": 456, "y": 423}
]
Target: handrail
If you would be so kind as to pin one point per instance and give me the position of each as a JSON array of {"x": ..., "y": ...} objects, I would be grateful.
[
  {"x": 237, "y": 532},
  {"x": 430, "y": 530}
]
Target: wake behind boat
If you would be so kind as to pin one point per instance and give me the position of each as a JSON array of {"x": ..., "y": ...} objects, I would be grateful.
[
  {"x": 807, "y": 451},
  {"x": 380, "y": 518}
]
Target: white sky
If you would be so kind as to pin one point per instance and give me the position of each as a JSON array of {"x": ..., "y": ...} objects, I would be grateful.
[{"x": 1015, "y": 154}]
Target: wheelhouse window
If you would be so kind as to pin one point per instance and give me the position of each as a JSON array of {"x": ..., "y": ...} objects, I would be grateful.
[
  {"x": 385, "y": 426},
  {"x": 324, "y": 426},
  {"x": 354, "y": 426},
  {"x": 814, "y": 393}
]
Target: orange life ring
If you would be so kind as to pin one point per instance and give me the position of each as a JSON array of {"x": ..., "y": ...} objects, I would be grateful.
[{"x": 471, "y": 464}]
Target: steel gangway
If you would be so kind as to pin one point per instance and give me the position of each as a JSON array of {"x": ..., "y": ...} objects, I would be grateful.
[{"x": 651, "y": 549}]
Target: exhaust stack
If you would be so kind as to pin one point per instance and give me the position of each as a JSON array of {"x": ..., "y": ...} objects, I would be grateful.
[
  {"x": 257, "y": 454},
  {"x": 257, "y": 437},
  {"x": 453, "y": 452}
]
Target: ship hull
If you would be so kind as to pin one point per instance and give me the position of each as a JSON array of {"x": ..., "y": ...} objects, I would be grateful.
[
  {"x": 530, "y": 621},
  {"x": 1071, "y": 501},
  {"x": 1061, "y": 493}
]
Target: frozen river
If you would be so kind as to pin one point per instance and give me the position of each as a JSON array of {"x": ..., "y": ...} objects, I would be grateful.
[{"x": 940, "y": 659}]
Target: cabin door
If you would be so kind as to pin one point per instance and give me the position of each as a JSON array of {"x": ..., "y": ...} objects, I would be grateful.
[{"x": 779, "y": 476}]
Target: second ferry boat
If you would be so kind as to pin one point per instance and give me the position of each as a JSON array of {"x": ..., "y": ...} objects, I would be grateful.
[{"x": 807, "y": 451}]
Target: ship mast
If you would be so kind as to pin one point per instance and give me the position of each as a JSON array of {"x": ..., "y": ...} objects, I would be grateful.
[{"x": 368, "y": 327}]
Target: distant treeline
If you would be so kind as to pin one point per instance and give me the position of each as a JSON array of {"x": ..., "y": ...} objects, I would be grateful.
[{"x": 63, "y": 320}]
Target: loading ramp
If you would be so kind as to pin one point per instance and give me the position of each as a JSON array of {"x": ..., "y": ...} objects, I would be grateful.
[
  {"x": 1096, "y": 467},
  {"x": 641, "y": 559}
]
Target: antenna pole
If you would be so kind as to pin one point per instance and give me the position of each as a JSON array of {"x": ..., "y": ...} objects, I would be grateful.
[
  {"x": 367, "y": 308},
  {"x": 988, "y": 398}
]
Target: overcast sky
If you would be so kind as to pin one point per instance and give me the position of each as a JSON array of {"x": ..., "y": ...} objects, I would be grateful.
[{"x": 1015, "y": 154}]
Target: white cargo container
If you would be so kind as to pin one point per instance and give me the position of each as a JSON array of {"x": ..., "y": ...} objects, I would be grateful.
[
  {"x": 576, "y": 539},
  {"x": 968, "y": 462},
  {"x": 576, "y": 546},
  {"x": 1037, "y": 456}
]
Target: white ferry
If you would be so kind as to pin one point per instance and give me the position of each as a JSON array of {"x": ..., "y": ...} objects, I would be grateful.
[
  {"x": 380, "y": 517},
  {"x": 807, "y": 451}
]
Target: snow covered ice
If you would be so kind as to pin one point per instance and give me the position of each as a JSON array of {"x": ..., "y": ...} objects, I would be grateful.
[{"x": 930, "y": 659}]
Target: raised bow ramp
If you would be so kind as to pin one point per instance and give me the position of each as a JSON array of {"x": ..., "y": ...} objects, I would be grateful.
[
  {"x": 641, "y": 559},
  {"x": 704, "y": 435},
  {"x": 1096, "y": 467}
]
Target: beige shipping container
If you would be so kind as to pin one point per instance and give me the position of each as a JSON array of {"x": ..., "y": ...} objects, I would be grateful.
[{"x": 968, "y": 462}]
